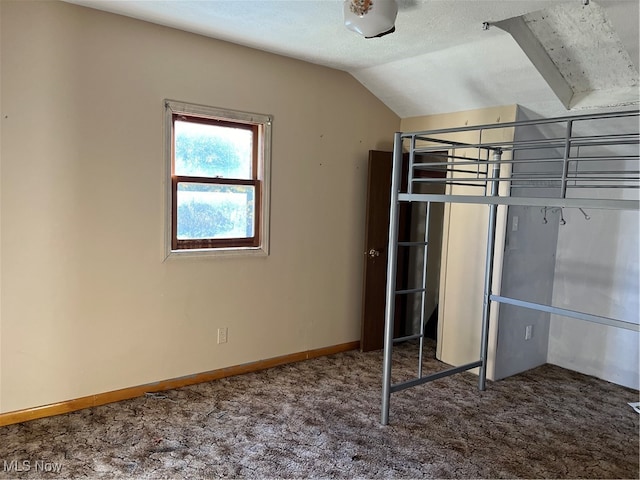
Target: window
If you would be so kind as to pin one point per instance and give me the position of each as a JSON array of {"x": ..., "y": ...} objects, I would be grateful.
[{"x": 218, "y": 194}]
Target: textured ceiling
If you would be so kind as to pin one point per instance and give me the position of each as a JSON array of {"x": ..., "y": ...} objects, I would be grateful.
[
  {"x": 587, "y": 52},
  {"x": 584, "y": 46},
  {"x": 438, "y": 60}
]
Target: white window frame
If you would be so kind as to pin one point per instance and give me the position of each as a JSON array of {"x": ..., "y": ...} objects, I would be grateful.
[{"x": 172, "y": 107}]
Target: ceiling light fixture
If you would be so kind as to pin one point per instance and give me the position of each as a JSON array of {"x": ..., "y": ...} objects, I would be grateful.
[{"x": 370, "y": 18}]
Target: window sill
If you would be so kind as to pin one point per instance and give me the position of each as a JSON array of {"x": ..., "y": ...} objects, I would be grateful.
[{"x": 217, "y": 252}]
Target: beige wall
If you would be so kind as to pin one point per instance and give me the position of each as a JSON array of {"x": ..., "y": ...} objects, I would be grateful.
[
  {"x": 87, "y": 303},
  {"x": 458, "y": 119},
  {"x": 464, "y": 245}
]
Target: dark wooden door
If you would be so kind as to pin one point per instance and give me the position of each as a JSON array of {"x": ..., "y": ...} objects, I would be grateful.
[{"x": 375, "y": 254}]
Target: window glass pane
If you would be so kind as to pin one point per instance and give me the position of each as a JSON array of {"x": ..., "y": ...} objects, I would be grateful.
[
  {"x": 212, "y": 151},
  {"x": 215, "y": 211}
]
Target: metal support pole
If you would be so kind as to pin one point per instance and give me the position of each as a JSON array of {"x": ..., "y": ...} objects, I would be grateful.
[
  {"x": 488, "y": 273},
  {"x": 392, "y": 260},
  {"x": 423, "y": 296},
  {"x": 412, "y": 161},
  {"x": 565, "y": 160}
]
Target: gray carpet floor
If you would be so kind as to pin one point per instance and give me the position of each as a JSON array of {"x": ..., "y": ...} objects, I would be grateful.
[{"x": 320, "y": 419}]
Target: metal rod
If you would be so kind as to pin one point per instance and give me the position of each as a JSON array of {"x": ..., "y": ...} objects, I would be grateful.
[
  {"x": 603, "y": 178},
  {"x": 606, "y": 204},
  {"x": 608, "y": 172},
  {"x": 488, "y": 276},
  {"x": 506, "y": 145},
  {"x": 538, "y": 144},
  {"x": 595, "y": 116},
  {"x": 620, "y": 158},
  {"x": 537, "y": 184},
  {"x": 565, "y": 163},
  {"x": 480, "y": 151},
  {"x": 391, "y": 276},
  {"x": 412, "y": 244},
  {"x": 583, "y": 140},
  {"x": 472, "y": 161},
  {"x": 576, "y": 178},
  {"x": 632, "y": 140},
  {"x": 409, "y": 290},
  {"x": 412, "y": 157},
  {"x": 440, "y": 140},
  {"x": 406, "y": 338},
  {"x": 608, "y": 136},
  {"x": 603, "y": 186},
  {"x": 577, "y": 175},
  {"x": 481, "y": 181},
  {"x": 542, "y": 184},
  {"x": 462, "y": 184},
  {"x": 568, "y": 313},
  {"x": 455, "y": 179},
  {"x": 434, "y": 376},
  {"x": 453, "y": 170},
  {"x": 424, "y": 287},
  {"x": 439, "y": 181},
  {"x": 440, "y": 154}
]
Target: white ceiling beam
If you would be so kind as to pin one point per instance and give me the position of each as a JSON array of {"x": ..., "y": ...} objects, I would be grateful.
[{"x": 539, "y": 57}]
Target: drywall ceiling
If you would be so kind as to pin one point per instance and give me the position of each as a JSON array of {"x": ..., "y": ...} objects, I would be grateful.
[{"x": 440, "y": 59}]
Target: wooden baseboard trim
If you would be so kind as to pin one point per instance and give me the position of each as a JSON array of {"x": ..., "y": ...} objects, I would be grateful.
[{"x": 20, "y": 416}]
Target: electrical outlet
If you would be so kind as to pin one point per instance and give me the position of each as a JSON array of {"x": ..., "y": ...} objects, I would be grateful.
[
  {"x": 223, "y": 335},
  {"x": 528, "y": 332}
]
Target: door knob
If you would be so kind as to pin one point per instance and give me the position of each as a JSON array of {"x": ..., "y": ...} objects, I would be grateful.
[{"x": 373, "y": 253}]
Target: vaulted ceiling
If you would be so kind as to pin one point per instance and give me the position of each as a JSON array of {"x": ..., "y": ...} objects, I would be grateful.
[{"x": 554, "y": 57}]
